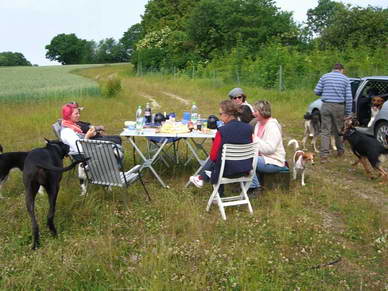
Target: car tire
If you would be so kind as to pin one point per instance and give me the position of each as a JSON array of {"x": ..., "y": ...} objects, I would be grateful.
[{"x": 381, "y": 133}]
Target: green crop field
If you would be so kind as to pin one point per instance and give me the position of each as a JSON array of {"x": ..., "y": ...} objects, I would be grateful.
[
  {"x": 329, "y": 235},
  {"x": 25, "y": 83}
]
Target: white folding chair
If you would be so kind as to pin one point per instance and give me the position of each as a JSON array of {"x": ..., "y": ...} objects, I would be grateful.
[
  {"x": 104, "y": 168},
  {"x": 235, "y": 152}
]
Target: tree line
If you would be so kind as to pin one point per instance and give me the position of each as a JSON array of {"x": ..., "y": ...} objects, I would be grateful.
[{"x": 238, "y": 37}]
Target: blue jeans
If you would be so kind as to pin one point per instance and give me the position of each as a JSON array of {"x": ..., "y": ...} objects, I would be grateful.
[{"x": 262, "y": 167}]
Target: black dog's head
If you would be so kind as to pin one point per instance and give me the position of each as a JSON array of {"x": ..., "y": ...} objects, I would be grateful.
[
  {"x": 61, "y": 148},
  {"x": 314, "y": 116},
  {"x": 349, "y": 127},
  {"x": 307, "y": 116}
]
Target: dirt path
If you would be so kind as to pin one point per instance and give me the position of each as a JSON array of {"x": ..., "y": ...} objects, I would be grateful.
[
  {"x": 180, "y": 99},
  {"x": 154, "y": 103}
]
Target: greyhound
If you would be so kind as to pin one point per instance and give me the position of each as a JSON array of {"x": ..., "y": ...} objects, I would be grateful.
[
  {"x": 8, "y": 161},
  {"x": 44, "y": 167}
]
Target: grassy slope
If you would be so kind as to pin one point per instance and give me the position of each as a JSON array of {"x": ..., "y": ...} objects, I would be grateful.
[{"x": 172, "y": 243}]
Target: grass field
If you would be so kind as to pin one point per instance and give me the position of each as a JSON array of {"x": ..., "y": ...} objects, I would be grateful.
[
  {"x": 329, "y": 235},
  {"x": 49, "y": 82}
]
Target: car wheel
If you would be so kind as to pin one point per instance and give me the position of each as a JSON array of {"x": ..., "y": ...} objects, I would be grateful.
[{"x": 382, "y": 133}]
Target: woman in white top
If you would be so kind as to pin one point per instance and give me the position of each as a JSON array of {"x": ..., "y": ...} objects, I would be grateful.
[
  {"x": 71, "y": 131},
  {"x": 268, "y": 135}
]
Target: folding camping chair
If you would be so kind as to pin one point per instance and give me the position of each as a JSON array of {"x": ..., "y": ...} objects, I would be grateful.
[
  {"x": 57, "y": 126},
  {"x": 104, "y": 168},
  {"x": 235, "y": 152}
]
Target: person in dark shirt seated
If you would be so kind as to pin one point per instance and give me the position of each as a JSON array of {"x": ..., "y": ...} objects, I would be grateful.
[{"x": 233, "y": 132}]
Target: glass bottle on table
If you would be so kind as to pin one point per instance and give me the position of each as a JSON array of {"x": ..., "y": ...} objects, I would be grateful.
[
  {"x": 194, "y": 113},
  {"x": 148, "y": 113},
  {"x": 139, "y": 119}
]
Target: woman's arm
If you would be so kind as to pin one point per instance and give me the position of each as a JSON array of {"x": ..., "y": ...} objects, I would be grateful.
[
  {"x": 270, "y": 140},
  {"x": 216, "y": 146}
]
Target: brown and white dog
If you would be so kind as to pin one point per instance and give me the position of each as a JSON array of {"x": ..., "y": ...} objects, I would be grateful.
[
  {"x": 300, "y": 160},
  {"x": 377, "y": 103}
]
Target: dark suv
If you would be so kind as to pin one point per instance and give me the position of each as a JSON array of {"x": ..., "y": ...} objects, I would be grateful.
[{"x": 363, "y": 89}]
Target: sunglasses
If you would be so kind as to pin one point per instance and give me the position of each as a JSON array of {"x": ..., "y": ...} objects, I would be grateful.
[{"x": 237, "y": 97}]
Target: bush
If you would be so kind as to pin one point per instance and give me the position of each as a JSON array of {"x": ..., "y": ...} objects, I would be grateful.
[{"x": 112, "y": 87}]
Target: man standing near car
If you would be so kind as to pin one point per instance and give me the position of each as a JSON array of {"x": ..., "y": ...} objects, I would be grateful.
[{"x": 336, "y": 95}]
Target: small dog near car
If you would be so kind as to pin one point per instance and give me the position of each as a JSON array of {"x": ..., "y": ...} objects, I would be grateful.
[
  {"x": 300, "y": 160},
  {"x": 8, "y": 161},
  {"x": 377, "y": 103},
  {"x": 312, "y": 128},
  {"x": 365, "y": 148},
  {"x": 44, "y": 167}
]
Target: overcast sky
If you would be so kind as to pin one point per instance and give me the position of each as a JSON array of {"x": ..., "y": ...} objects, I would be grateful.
[{"x": 27, "y": 26}]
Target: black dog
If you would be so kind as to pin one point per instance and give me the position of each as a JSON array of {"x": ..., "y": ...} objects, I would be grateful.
[
  {"x": 365, "y": 147},
  {"x": 8, "y": 161},
  {"x": 44, "y": 167}
]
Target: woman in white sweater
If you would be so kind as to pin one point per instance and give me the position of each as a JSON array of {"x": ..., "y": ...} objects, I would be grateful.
[{"x": 268, "y": 135}]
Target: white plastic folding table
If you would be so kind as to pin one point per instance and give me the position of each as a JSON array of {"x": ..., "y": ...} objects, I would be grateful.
[{"x": 189, "y": 138}]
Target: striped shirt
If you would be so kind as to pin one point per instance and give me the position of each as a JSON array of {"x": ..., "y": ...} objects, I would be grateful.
[{"x": 334, "y": 87}]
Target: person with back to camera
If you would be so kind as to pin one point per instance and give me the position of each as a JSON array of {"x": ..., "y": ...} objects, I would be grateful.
[
  {"x": 268, "y": 135},
  {"x": 233, "y": 132},
  {"x": 336, "y": 95},
  {"x": 238, "y": 97}
]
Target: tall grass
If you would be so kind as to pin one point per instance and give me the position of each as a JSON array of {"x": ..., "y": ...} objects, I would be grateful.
[
  {"x": 50, "y": 82},
  {"x": 329, "y": 235}
]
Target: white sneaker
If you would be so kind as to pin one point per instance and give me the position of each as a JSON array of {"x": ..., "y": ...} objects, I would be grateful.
[{"x": 196, "y": 181}]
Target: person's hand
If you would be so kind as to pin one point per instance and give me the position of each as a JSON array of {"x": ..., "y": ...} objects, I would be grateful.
[
  {"x": 347, "y": 118},
  {"x": 91, "y": 132}
]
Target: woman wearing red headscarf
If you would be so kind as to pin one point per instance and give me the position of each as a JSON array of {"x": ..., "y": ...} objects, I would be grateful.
[{"x": 71, "y": 132}]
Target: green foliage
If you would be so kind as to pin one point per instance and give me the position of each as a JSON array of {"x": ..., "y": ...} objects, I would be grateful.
[
  {"x": 356, "y": 27},
  {"x": 68, "y": 49},
  {"x": 323, "y": 15},
  {"x": 216, "y": 26},
  {"x": 130, "y": 38},
  {"x": 161, "y": 13},
  {"x": 111, "y": 87},
  {"x": 13, "y": 59}
]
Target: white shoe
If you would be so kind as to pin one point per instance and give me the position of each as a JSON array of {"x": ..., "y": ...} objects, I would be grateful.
[{"x": 196, "y": 181}]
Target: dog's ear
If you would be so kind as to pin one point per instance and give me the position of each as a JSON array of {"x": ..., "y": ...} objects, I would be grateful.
[{"x": 46, "y": 140}]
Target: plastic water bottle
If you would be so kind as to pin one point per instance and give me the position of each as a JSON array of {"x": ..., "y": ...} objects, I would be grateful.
[
  {"x": 148, "y": 113},
  {"x": 194, "y": 113},
  {"x": 139, "y": 119}
]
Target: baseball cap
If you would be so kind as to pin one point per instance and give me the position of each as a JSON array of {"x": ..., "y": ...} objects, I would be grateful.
[{"x": 236, "y": 92}]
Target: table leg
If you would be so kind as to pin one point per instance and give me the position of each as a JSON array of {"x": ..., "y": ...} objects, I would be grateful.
[
  {"x": 148, "y": 162},
  {"x": 193, "y": 150}
]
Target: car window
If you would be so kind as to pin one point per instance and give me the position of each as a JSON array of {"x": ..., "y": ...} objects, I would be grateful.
[
  {"x": 375, "y": 88},
  {"x": 354, "y": 86}
]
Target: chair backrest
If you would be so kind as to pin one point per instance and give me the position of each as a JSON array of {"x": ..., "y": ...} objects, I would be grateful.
[
  {"x": 239, "y": 152},
  {"x": 102, "y": 167},
  {"x": 57, "y": 126}
]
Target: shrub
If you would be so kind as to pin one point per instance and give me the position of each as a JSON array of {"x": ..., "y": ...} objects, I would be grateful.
[{"x": 112, "y": 87}]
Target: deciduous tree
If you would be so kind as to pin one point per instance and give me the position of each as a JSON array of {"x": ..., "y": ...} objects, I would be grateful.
[
  {"x": 13, "y": 59},
  {"x": 68, "y": 49}
]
